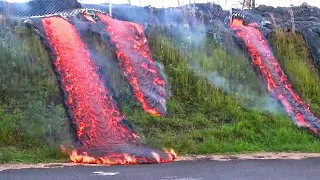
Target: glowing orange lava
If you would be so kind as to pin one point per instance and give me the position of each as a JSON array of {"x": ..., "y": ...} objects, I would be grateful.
[
  {"x": 277, "y": 81},
  {"x": 114, "y": 159},
  {"x": 103, "y": 137},
  {"x": 94, "y": 111},
  {"x": 132, "y": 49}
]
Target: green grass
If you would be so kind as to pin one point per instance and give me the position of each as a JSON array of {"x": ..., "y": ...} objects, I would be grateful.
[
  {"x": 12, "y": 154},
  {"x": 296, "y": 60},
  {"x": 204, "y": 117},
  {"x": 32, "y": 119}
]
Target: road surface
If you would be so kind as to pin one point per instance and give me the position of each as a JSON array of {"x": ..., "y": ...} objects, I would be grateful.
[{"x": 182, "y": 170}]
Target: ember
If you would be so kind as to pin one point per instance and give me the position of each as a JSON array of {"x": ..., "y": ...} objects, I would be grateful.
[
  {"x": 277, "y": 81},
  {"x": 135, "y": 60},
  {"x": 102, "y": 131}
]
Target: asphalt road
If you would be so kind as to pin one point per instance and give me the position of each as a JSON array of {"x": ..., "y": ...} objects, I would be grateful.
[{"x": 182, "y": 170}]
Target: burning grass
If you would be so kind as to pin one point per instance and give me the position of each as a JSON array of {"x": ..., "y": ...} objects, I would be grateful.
[{"x": 202, "y": 119}]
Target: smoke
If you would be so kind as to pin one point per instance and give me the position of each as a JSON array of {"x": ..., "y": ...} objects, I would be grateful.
[
  {"x": 251, "y": 98},
  {"x": 15, "y": 8},
  {"x": 186, "y": 27},
  {"x": 249, "y": 90}
]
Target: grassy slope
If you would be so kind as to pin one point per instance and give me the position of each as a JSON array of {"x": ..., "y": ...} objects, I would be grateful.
[
  {"x": 295, "y": 58},
  {"x": 202, "y": 119},
  {"x": 32, "y": 119}
]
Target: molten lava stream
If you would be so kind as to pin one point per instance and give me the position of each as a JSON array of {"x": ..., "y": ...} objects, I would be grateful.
[
  {"x": 102, "y": 133},
  {"x": 132, "y": 49},
  {"x": 277, "y": 81}
]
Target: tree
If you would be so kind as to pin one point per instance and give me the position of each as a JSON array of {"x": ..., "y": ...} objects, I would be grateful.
[
  {"x": 248, "y": 4},
  {"x": 110, "y": 8},
  {"x": 293, "y": 26}
]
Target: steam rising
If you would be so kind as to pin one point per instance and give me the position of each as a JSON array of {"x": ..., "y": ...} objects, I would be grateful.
[
  {"x": 191, "y": 38},
  {"x": 258, "y": 101}
]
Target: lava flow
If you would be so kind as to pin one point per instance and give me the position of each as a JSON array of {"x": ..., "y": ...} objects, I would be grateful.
[
  {"x": 131, "y": 46},
  {"x": 104, "y": 135},
  {"x": 277, "y": 81}
]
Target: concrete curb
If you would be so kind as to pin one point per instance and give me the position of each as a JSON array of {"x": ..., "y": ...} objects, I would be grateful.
[{"x": 225, "y": 157}]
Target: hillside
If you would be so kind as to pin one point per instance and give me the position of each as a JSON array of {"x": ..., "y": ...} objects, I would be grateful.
[{"x": 219, "y": 102}]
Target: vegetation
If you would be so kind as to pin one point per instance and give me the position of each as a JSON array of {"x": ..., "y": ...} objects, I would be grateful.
[
  {"x": 296, "y": 60},
  {"x": 217, "y": 104},
  {"x": 32, "y": 118},
  {"x": 204, "y": 119}
]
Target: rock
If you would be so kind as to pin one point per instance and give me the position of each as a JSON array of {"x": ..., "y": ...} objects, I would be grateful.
[
  {"x": 306, "y": 18},
  {"x": 306, "y": 21}
]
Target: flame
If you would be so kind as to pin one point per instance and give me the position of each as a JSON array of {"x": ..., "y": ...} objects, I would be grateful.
[
  {"x": 115, "y": 159},
  {"x": 277, "y": 81},
  {"x": 132, "y": 50},
  {"x": 98, "y": 121},
  {"x": 173, "y": 155}
]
